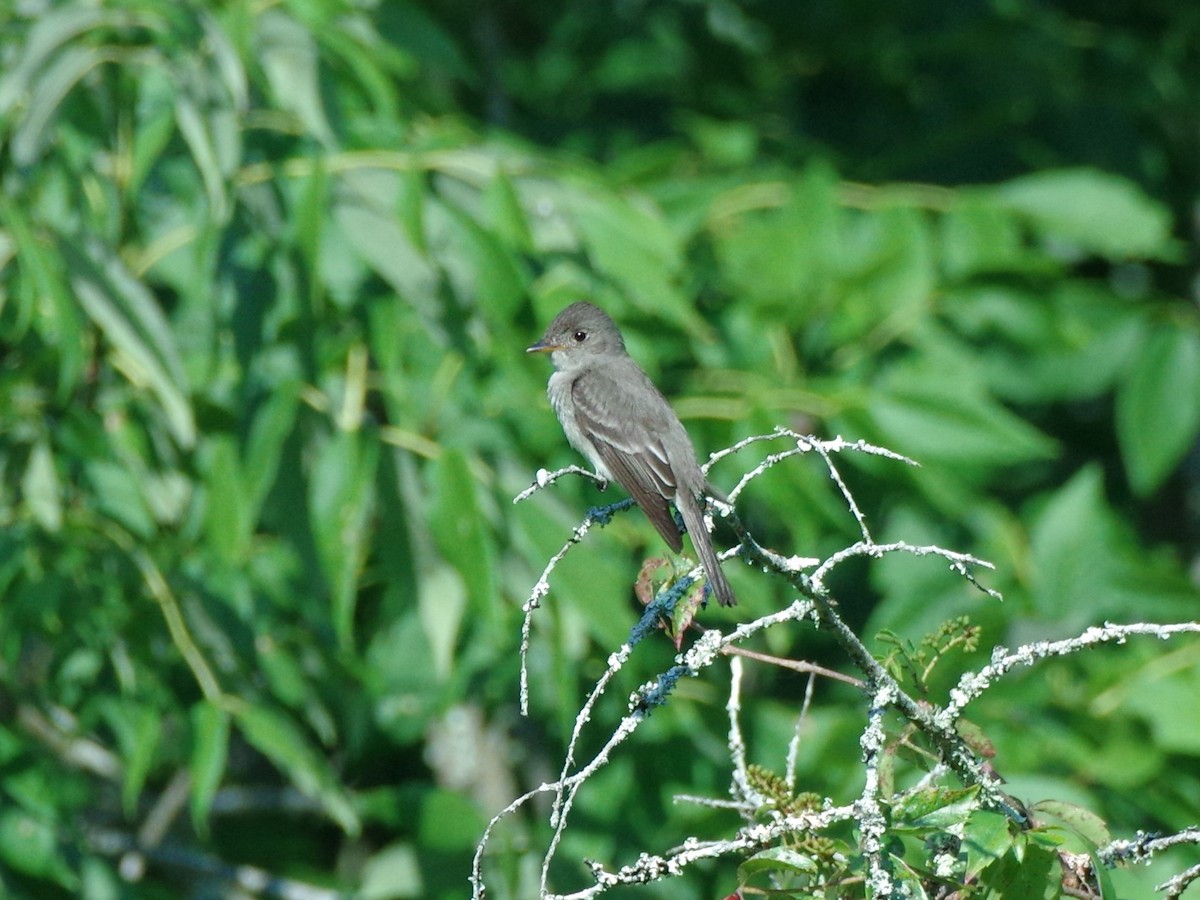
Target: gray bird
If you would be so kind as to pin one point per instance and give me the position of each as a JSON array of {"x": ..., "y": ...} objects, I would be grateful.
[{"x": 613, "y": 414}]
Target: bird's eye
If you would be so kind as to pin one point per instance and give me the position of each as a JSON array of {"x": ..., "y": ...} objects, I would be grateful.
[{"x": 580, "y": 336}]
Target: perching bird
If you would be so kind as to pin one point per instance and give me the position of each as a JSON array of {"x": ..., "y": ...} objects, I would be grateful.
[{"x": 614, "y": 415}]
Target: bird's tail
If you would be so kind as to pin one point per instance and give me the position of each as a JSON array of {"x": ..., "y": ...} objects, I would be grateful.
[{"x": 693, "y": 518}]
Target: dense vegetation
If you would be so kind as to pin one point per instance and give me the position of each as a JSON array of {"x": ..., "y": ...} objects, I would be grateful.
[{"x": 266, "y": 276}]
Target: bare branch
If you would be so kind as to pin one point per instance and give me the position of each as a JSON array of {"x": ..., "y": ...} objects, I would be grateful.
[{"x": 807, "y": 578}]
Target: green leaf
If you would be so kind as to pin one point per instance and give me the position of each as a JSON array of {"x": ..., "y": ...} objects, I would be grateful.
[
  {"x": 410, "y": 207},
  {"x": 117, "y": 492},
  {"x": 280, "y": 740},
  {"x": 504, "y": 214},
  {"x": 1162, "y": 700},
  {"x": 287, "y": 53},
  {"x": 986, "y": 839},
  {"x": 310, "y": 206},
  {"x": 1082, "y": 822},
  {"x": 482, "y": 268},
  {"x": 725, "y": 143},
  {"x": 157, "y": 129},
  {"x": 449, "y": 822},
  {"x": 1081, "y": 556},
  {"x": 631, "y": 245},
  {"x": 777, "y": 859},
  {"x": 1029, "y": 873},
  {"x": 35, "y": 129},
  {"x": 934, "y": 808},
  {"x": 442, "y": 600},
  {"x": 283, "y": 669},
  {"x": 402, "y": 679},
  {"x": 363, "y": 214},
  {"x": 43, "y": 293},
  {"x": 1158, "y": 407},
  {"x": 141, "y": 755},
  {"x": 457, "y": 525},
  {"x": 207, "y": 131},
  {"x": 138, "y": 729},
  {"x": 132, "y": 319},
  {"x": 28, "y": 845},
  {"x": 780, "y": 244},
  {"x": 210, "y": 749},
  {"x": 1100, "y": 213},
  {"x": 979, "y": 236},
  {"x": 885, "y": 289},
  {"x": 51, "y": 30},
  {"x": 269, "y": 430},
  {"x": 1104, "y": 877},
  {"x": 41, "y": 488},
  {"x": 226, "y": 517},
  {"x": 394, "y": 872},
  {"x": 1039, "y": 347},
  {"x": 953, "y": 423},
  {"x": 342, "y": 498}
]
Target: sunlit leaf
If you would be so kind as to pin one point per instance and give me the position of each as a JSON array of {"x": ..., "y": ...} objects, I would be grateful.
[
  {"x": 341, "y": 495},
  {"x": 1100, "y": 212},
  {"x": 987, "y": 837},
  {"x": 34, "y": 130},
  {"x": 288, "y": 55},
  {"x": 128, "y": 315},
  {"x": 442, "y": 601},
  {"x": 41, "y": 487},
  {"x": 394, "y": 871},
  {"x": 934, "y": 808},
  {"x": 1083, "y": 822}
]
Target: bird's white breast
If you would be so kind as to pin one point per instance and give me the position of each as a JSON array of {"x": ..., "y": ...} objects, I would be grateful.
[{"x": 559, "y": 391}]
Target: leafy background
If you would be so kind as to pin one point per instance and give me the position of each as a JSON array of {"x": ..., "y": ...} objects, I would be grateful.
[{"x": 266, "y": 273}]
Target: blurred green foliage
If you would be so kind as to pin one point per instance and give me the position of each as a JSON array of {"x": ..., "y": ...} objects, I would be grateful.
[{"x": 266, "y": 273}]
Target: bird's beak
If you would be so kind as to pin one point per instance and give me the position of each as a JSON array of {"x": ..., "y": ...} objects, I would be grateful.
[{"x": 543, "y": 347}]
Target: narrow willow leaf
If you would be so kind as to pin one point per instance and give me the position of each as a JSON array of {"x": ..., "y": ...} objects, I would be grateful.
[
  {"x": 41, "y": 488},
  {"x": 505, "y": 216},
  {"x": 288, "y": 54},
  {"x": 210, "y": 750},
  {"x": 269, "y": 429},
  {"x": 34, "y": 130},
  {"x": 342, "y": 498},
  {"x": 52, "y": 29},
  {"x": 129, "y": 316},
  {"x": 141, "y": 755},
  {"x": 45, "y": 301},
  {"x": 456, "y": 522},
  {"x": 198, "y": 135},
  {"x": 227, "y": 519},
  {"x": 281, "y": 741},
  {"x": 442, "y": 600},
  {"x": 382, "y": 243}
]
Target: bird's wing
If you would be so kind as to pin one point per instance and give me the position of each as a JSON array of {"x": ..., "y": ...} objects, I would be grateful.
[{"x": 630, "y": 444}]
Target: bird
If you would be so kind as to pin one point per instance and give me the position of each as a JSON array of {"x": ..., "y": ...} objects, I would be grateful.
[{"x": 613, "y": 414}]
